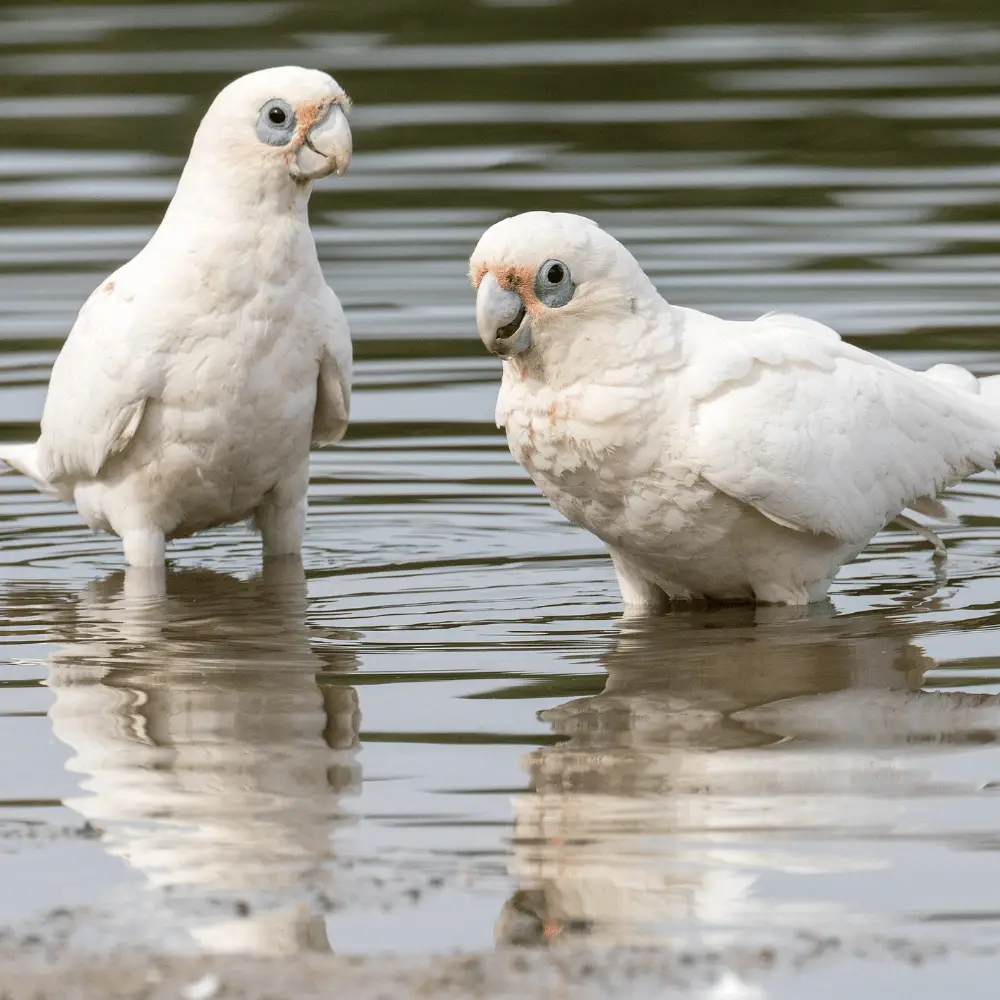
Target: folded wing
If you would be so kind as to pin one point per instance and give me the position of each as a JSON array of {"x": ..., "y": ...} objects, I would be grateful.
[
  {"x": 333, "y": 393},
  {"x": 101, "y": 382},
  {"x": 821, "y": 436}
]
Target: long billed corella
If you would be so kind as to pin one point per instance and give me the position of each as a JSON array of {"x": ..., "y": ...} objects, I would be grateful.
[
  {"x": 736, "y": 461},
  {"x": 198, "y": 375}
]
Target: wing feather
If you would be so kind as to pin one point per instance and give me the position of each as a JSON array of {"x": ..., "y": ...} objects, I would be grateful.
[
  {"x": 333, "y": 392},
  {"x": 100, "y": 384},
  {"x": 821, "y": 436}
]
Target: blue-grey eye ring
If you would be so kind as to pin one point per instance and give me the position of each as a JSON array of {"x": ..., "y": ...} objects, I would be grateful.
[
  {"x": 553, "y": 284},
  {"x": 276, "y": 123}
]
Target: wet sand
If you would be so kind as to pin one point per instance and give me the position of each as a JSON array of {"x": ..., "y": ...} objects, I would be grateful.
[{"x": 812, "y": 966}]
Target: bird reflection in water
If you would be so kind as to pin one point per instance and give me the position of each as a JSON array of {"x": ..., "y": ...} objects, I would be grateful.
[
  {"x": 732, "y": 753},
  {"x": 210, "y": 756}
]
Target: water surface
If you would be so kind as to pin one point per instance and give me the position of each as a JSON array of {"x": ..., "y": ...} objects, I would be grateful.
[{"x": 441, "y": 735}]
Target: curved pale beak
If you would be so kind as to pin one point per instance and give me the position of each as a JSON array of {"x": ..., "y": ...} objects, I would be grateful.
[
  {"x": 504, "y": 326},
  {"x": 327, "y": 146}
]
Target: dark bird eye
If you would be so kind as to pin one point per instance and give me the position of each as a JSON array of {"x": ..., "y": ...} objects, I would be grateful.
[
  {"x": 277, "y": 116},
  {"x": 553, "y": 284}
]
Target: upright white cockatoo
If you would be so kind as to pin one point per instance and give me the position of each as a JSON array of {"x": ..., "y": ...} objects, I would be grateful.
[
  {"x": 737, "y": 461},
  {"x": 197, "y": 376}
]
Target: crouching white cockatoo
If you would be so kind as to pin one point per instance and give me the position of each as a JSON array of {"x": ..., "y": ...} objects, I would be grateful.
[
  {"x": 198, "y": 375},
  {"x": 738, "y": 461}
]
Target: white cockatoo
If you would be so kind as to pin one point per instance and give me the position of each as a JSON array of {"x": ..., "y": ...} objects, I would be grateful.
[
  {"x": 736, "y": 461},
  {"x": 197, "y": 376}
]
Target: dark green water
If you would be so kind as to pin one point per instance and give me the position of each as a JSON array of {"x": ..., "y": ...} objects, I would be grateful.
[{"x": 444, "y": 736}]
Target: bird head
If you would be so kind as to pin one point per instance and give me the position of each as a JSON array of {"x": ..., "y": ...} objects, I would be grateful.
[
  {"x": 547, "y": 282},
  {"x": 288, "y": 122}
]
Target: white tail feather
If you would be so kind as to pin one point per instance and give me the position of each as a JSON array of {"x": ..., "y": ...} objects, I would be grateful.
[{"x": 23, "y": 458}]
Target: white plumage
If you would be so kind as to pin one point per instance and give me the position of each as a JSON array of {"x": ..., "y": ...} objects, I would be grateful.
[
  {"x": 197, "y": 376},
  {"x": 716, "y": 459}
]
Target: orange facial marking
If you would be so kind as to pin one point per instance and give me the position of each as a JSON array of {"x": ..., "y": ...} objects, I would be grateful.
[
  {"x": 515, "y": 279},
  {"x": 310, "y": 113},
  {"x": 307, "y": 115},
  {"x": 476, "y": 274}
]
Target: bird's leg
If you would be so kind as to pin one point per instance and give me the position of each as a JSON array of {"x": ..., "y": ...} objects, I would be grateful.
[
  {"x": 640, "y": 596},
  {"x": 281, "y": 522},
  {"x": 940, "y": 551},
  {"x": 144, "y": 547},
  {"x": 144, "y": 582}
]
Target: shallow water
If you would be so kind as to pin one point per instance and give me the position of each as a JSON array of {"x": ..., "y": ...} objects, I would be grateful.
[{"x": 442, "y": 735}]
